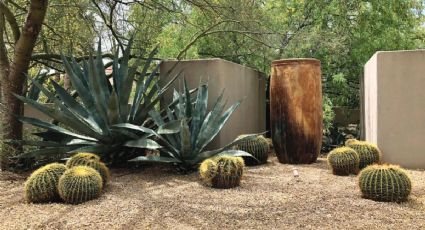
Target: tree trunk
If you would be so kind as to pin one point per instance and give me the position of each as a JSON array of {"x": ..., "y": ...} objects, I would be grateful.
[{"x": 14, "y": 81}]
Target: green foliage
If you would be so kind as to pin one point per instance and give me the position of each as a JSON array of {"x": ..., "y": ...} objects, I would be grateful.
[
  {"x": 42, "y": 185},
  {"x": 188, "y": 129},
  {"x": 80, "y": 184},
  {"x": 90, "y": 160},
  {"x": 258, "y": 148},
  {"x": 328, "y": 115},
  {"x": 85, "y": 125},
  {"x": 222, "y": 171},
  {"x": 385, "y": 183},
  {"x": 344, "y": 161},
  {"x": 368, "y": 153}
]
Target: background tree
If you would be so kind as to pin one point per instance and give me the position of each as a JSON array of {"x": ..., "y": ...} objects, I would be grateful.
[{"x": 13, "y": 70}]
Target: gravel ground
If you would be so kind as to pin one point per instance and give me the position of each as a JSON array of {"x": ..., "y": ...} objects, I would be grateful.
[{"x": 270, "y": 197}]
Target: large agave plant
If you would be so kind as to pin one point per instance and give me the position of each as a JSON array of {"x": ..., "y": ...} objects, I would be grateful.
[
  {"x": 84, "y": 123},
  {"x": 188, "y": 128}
]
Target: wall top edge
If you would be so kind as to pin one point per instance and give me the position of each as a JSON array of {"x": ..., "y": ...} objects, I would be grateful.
[
  {"x": 400, "y": 51},
  {"x": 212, "y": 60}
]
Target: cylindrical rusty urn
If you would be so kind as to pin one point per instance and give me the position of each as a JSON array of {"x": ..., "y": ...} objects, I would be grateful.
[{"x": 296, "y": 110}]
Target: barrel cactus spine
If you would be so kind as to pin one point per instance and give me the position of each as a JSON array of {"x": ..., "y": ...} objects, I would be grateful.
[
  {"x": 344, "y": 161},
  {"x": 42, "y": 185},
  {"x": 388, "y": 183},
  {"x": 90, "y": 160},
  {"x": 229, "y": 172},
  {"x": 258, "y": 147},
  {"x": 79, "y": 184},
  {"x": 368, "y": 153}
]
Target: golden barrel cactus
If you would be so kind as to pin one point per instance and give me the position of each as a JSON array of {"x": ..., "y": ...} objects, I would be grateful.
[
  {"x": 90, "y": 160},
  {"x": 79, "y": 184},
  {"x": 42, "y": 185},
  {"x": 344, "y": 161},
  {"x": 385, "y": 183}
]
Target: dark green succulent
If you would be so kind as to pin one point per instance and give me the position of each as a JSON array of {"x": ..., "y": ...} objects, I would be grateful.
[
  {"x": 188, "y": 128},
  {"x": 84, "y": 123}
]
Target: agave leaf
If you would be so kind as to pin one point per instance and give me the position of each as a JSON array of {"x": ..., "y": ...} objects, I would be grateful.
[
  {"x": 99, "y": 149},
  {"x": 156, "y": 117},
  {"x": 170, "y": 127},
  {"x": 52, "y": 136},
  {"x": 207, "y": 127},
  {"x": 116, "y": 77},
  {"x": 36, "y": 143},
  {"x": 68, "y": 100},
  {"x": 97, "y": 90},
  {"x": 113, "y": 109},
  {"x": 60, "y": 116},
  {"x": 142, "y": 143},
  {"x": 80, "y": 142},
  {"x": 150, "y": 131},
  {"x": 39, "y": 123},
  {"x": 77, "y": 83},
  {"x": 236, "y": 153},
  {"x": 155, "y": 159},
  {"x": 186, "y": 147},
  {"x": 123, "y": 67},
  {"x": 207, "y": 154},
  {"x": 34, "y": 92},
  {"x": 83, "y": 76},
  {"x": 218, "y": 125},
  {"x": 142, "y": 85},
  {"x": 188, "y": 103},
  {"x": 199, "y": 113},
  {"x": 54, "y": 151},
  {"x": 74, "y": 111}
]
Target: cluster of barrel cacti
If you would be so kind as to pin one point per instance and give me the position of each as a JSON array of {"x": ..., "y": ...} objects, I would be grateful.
[
  {"x": 354, "y": 156},
  {"x": 81, "y": 179},
  {"x": 377, "y": 182},
  {"x": 222, "y": 171}
]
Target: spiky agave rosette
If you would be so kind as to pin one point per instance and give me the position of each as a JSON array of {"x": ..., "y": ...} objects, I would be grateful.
[
  {"x": 85, "y": 124},
  {"x": 188, "y": 128}
]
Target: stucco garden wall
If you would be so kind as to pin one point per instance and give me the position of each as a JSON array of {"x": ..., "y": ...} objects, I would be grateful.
[{"x": 394, "y": 106}]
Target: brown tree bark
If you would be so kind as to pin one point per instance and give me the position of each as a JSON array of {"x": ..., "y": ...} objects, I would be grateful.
[{"x": 13, "y": 78}]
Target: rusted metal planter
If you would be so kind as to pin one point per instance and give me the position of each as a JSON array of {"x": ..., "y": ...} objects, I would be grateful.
[{"x": 296, "y": 110}]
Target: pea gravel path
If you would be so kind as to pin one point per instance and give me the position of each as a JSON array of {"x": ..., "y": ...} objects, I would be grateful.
[{"x": 270, "y": 197}]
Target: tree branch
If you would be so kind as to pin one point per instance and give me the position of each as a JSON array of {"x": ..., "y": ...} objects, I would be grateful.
[{"x": 11, "y": 20}]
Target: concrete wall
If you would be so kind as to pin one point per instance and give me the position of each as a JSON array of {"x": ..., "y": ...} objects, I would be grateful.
[
  {"x": 394, "y": 92},
  {"x": 238, "y": 81}
]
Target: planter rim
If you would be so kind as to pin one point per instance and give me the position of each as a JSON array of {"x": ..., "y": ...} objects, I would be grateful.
[{"x": 291, "y": 61}]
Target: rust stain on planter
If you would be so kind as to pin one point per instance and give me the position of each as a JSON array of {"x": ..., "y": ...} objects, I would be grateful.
[{"x": 296, "y": 110}]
